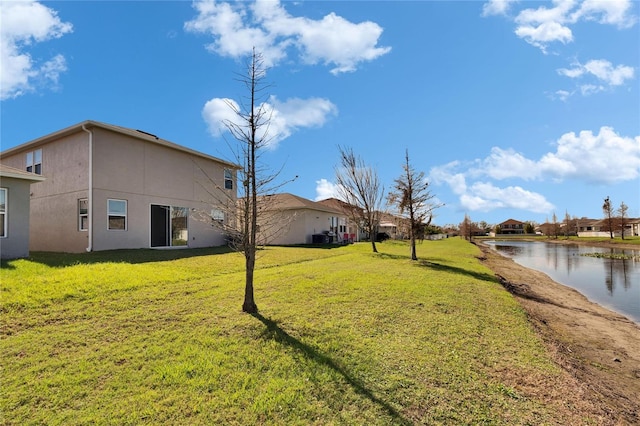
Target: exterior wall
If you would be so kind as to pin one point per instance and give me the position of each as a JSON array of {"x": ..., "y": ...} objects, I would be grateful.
[
  {"x": 16, "y": 242},
  {"x": 144, "y": 173},
  {"x": 302, "y": 224},
  {"x": 141, "y": 172},
  {"x": 54, "y": 202}
]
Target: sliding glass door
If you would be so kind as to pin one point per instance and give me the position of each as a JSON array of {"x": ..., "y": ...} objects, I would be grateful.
[{"x": 169, "y": 226}]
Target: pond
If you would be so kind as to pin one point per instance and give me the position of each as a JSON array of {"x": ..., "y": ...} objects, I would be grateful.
[{"x": 609, "y": 281}]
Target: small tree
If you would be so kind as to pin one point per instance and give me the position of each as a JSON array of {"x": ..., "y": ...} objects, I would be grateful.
[
  {"x": 529, "y": 228},
  {"x": 607, "y": 209},
  {"x": 412, "y": 198},
  {"x": 466, "y": 228},
  {"x": 359, "y": 186},
  {"x": 622, "y": 217},
  {"x": 567, "y": 224},
  {"x": 555, "y": 226},
  {"x": 239, "y": 218}
]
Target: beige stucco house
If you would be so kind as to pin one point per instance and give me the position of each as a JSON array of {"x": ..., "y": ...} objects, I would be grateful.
[
  {"x": 349, "y": 230},
  {"x": 600, "y": 227},
  {"x": 288, "y": 219},
  {"x": 110, "y": 187},
  {"x": 15, "y": 189}
]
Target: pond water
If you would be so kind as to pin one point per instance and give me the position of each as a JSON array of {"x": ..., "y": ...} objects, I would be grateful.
[{"x": 612, "y": 283}]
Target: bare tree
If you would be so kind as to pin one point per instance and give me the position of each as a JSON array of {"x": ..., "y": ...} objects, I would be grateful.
[
  {"x": 240, "y": 217},
  {"x": 359, "y": 186},
  {"x": 555, "y": 226},
  {"x": 466, "y": 228},
  {"x": 567, "y": 224},
  {"x": 622, "y": 217},
  {"x": 607, "y": 209},
  {"x": 412, "y": 198}
]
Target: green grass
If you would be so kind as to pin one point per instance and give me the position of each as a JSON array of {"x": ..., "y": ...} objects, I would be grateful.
[{"x": 344, "y": 336}]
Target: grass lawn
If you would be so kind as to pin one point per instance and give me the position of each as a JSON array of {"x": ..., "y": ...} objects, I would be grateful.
[{"x": 344, "y": 336}]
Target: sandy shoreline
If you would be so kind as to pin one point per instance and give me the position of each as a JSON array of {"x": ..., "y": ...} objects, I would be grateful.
[{"x": 598, "y": 348}]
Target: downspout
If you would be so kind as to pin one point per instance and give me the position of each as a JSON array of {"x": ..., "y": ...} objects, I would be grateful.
[{"x": 90, "y": 194}]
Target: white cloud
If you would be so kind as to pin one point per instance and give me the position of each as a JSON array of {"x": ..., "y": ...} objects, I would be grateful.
[
  {"x": 483, "y": 196},
  {"x": 23, "y": 24},
  {"x": 546, "y": 32},
  {"x": 326, "y": 189},
  {"x": 602, "y": 70},
  {"x": 604, "y": 158},
  {"x": 267, "y": 26},
  {"x": 541, "y": 26},
  {"x": 447, "y": 174},
  {"x": 284, "y": 117},
  {"x": 563, "y": 95},
  {"x": 497, "y": 7},
  {"x": 546, "y": 25},
  {"x": 503, "y": 164},
  {"x": 613, "y": 12}
]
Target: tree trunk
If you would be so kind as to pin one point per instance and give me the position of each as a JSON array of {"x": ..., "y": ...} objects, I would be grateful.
[
  {"x": 373, "y": 244},
  {"x": 414, "y": 256},
  {"x": 249, "y": 304}
]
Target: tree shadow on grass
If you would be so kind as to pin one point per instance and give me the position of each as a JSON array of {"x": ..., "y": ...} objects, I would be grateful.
[
  {"x": 279, "y": 335},
  {"x": 455, "y": 270},
  {"x": 440, "y": 267}
]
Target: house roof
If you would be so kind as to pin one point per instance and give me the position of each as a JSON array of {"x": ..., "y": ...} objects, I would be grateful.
[
  {"x": 512, "y": 222},
  {"x": 286, "y": 201},
  {"x": 88, "y": 124},
  {"x": 339, "y": 205},
  {"x": 11, "y": 172}
]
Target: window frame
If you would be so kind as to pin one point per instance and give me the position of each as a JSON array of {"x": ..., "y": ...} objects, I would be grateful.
[
  {"x": 117, "y": 214},
  {"x": 4, "y": 213},
  {"x": 228, "y": 179},
  {"x": 83, "y": 215},
  {"x": 32, "y": 161}
]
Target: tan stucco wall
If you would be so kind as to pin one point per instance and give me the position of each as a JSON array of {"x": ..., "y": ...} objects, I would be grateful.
[
  {"x": 144, "y": 173},
  {"x": 141, "y": 172},
  {"x": 302, "y": 224},
  {"x": 54, "y": 202},
  {"x": 16, "y": 242}
]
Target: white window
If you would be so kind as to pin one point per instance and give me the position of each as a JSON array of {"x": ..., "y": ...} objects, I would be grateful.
[
  {"x": 3, "y": 212},
  {"x": 83, "y": 214},
  {"x": 228, "y": 179},
  {"x": 117, "y": 214},
  {"x": 34, "y": 161},
  {"x": 217, "y": 215}
]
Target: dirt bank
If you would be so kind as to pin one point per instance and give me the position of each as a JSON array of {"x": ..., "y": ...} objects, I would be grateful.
[{"x": 600, "y": 349}]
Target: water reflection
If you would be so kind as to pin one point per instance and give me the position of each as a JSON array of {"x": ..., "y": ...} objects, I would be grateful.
[{"x": 611, "y": 282}]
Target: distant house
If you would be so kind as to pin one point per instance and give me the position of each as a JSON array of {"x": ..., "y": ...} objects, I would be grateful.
[
  {"x": 15, "y": 190},
  {"x": 111, "y": 187},
  {"x": 600, "y": 227},
  {"x": 288, "y": 219},
  {"x": 511, "y": 226},
  {"x": 349, "y": 230}
]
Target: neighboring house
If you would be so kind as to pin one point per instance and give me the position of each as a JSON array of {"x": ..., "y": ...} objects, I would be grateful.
[
  {"x": 110, "y": 187},
  {"x": 600, "y": 227},
  {"x": 15, "y": 190},
  {"x": 350, "y": 230},
  {"x": 591, "y": 228},
  {"x": 397, "y": 227},
  {"x": 287, "y": 219},
  {"x": 512, "y": 226}
]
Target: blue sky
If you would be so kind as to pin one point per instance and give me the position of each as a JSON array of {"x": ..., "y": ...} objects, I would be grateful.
[{"x": 513, "y": 109}]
